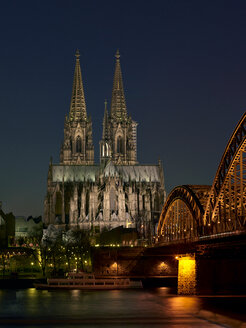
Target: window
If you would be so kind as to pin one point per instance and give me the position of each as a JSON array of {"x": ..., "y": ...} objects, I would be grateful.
[
  {"x": 112, "y": 200},
  {"x": 119, "y": 145},
  {"x": 106, "y": 146},
  {"x": 78, "y": 145}
]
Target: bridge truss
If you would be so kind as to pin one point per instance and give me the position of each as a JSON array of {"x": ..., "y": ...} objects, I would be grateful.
[
  {"x": 187, "y": 214},
  {"x": 225, "y": 209},
  {"x": 181, "y": 216}
]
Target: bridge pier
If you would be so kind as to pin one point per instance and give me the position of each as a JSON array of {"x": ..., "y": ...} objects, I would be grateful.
[
  {"x": 187, "y": 275},
  {"x": 210, "y": 275}
]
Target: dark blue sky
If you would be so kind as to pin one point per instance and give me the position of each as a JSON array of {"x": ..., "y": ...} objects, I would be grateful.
[{"x": 184, "y": 72}]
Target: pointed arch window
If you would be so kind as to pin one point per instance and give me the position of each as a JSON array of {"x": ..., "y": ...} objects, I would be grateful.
[
  {"x": 119, "y": 145},
  {"x": 106, "y": 149},
  {"x": 78, "y": 145},
  {"x": 112, "y": 200},
  {"x": 143, "y": 199}
]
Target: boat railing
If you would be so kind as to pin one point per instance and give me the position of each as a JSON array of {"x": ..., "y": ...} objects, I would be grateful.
[{"x": 88, "y": 282}]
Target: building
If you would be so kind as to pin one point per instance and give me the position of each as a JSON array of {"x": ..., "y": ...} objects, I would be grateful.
[
  {"x": 116, "y": 192},
  {"x": 27, "y": 227},
  {"x": 7, "y": 227}
]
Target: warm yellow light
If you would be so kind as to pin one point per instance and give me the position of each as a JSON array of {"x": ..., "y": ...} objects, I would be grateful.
[
  {"x": 39, "y": 255},
  {"x": 187, "y": 275},
  {"x": 32, "y": 263},
  {"x": 187, "y": 266},
  {"x": 176, "y": 257},
  {"x": 85, "y": 262}
]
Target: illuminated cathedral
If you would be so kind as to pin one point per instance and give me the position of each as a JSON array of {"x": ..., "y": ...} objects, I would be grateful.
[{"x": 116, "y": 192}]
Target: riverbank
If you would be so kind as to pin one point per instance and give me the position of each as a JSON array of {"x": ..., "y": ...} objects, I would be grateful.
[
  {"x": 220, "y": 319},
  {"x": 228, "y": 310}
]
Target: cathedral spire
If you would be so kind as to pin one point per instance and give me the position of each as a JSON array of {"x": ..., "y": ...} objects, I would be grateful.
[
  {"x": 77, "y": 147},
  {"x": 77, "y": 106},
  {"x": 118, "y": 102},
  {"x": 105, "y": 135}
]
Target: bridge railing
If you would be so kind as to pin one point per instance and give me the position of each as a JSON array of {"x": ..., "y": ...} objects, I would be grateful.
[{"x": 161, "y": 240}]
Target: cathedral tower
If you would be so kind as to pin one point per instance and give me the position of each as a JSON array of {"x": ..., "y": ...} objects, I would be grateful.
[
  {"x": 119, "y": 142},
  {"x": 77, "y": 147}
]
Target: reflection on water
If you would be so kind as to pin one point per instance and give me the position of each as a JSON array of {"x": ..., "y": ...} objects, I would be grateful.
[
  {"x": 185, "y": 304},
  {"x": 116, "y": 308}
]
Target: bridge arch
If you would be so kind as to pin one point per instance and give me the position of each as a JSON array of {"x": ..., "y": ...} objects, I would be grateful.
[
  {"x": 182, "y": 214},
  {"x": 225, "y": 210}
]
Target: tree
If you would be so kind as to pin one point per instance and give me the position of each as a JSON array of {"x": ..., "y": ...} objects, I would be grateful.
[{"x": 78, "y": 248}]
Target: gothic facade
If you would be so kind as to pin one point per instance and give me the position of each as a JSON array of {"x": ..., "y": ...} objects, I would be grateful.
[{"x": 117, "y": 192}]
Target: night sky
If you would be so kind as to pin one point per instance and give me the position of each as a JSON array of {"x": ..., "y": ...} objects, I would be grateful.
[{"x": 184, "y": 72}]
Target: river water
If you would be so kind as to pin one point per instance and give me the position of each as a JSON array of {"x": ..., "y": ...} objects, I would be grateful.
[{"x": 116, "y": 308}]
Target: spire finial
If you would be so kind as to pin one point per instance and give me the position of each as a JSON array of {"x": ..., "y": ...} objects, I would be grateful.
[
  {"x": 77, "y": 105},
  {"x": 118, "y": 103},
  {"x": 117, "y": 55},
  {"x": 77, "y": 54},
  {"x": 105, "y": 104}
]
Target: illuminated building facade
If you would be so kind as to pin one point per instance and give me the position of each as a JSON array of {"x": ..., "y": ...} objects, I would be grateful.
[{"x": 116, "y": 192}]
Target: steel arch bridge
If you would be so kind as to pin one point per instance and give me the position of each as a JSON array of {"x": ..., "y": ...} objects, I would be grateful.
[{"x": 195, "y": 211}]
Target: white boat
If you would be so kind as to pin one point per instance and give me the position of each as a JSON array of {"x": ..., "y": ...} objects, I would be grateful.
[{"x": 88, "y": 281}]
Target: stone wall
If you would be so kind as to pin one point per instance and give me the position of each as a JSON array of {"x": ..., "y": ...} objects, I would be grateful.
[
  {"x": 133, "y": 261},
  {"x": 187, "y": 276}
]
